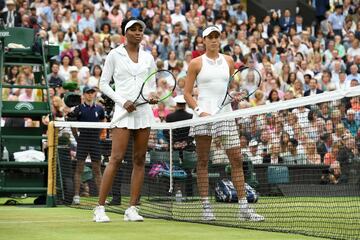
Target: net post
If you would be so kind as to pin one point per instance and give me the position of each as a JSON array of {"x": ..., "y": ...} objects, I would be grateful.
[
  {"x": 52, "y": 144},
  {"x": 171, "y": 161}
]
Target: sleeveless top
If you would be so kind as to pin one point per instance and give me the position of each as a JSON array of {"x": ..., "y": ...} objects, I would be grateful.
[{"x": 212, "y": 81}]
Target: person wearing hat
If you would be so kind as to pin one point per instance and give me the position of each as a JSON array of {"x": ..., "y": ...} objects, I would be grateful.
[
  {"x": 254, "y": 156},
  {"x": 88, "y": 140},
  {"x": 211, "y": 72},
  {"x": 11, "y": 17},
  {"x": 129, "y": 65}
]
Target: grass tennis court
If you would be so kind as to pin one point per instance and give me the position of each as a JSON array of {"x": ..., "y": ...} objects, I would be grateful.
[
  {"x": 27, "y": 222},
  {"x": 304, "y": 215}
]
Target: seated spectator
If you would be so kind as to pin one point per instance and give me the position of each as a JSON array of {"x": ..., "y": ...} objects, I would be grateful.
[
  {"x": 156, "y": 142},
  {"x": 349, "y": 122},
  {"x": 332, "y": 175},
  {"x": 254, "y": 156},
  {"x": 54, "y": 78},
  {"x": 293, "y": 156},
  {"x": 273, "y": 156},
  {"x": 273, "y": 96},
  {"x": 258, "y": 99},
  {"x": 161, "y": 111},
  {"x": 313, "y": 88},
  {"x": 244, "y": 145},
  {"x": 325, "y": 145},
  {"x": 312, "y": 156},
  {"x": 331, "y": 156}
]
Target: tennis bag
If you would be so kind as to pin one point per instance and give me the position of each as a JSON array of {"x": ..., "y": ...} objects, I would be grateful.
[
  {"x": 162, "y": 169},
  {"x": 226, "y": 192}
]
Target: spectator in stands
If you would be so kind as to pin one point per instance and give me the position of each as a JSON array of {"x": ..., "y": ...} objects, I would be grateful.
[
  {"x": 274, "y": 155},
  {"x": 313, "y": 88},
  {"x": 64, "y": 69},
  {"x": 273, "y": 96},
  {"x": 336, "y": 20},
  {"x": 11, "y": 17},
  {"x": 333, "y": 175},
  {"x": 331, "y": 156},
  {"x": 286, "y": 21},
  {"x": 312, "y": 156},
  {"x": 88, "y": 140},
  {"x": 254, "y": 153},
  {"x": 325, "y": 145},
  {"x": 216, "y": 68},
  {"x": 54, "y": 79},
  {"x": 350, "y": 123},
  {"x": 293, "y": 156},
  {"x": 258, "y": 99},
  {"x": 27, "y": 95}
]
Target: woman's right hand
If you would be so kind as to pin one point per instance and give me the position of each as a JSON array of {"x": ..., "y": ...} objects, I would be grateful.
[
  {"x": 204, "y": 114},
  {"x": 129, "y": 106}
]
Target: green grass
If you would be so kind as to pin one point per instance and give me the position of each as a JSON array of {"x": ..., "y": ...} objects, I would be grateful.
[
  {"x": 329, "y": 217},
  {"x": 30, "y": 223}
]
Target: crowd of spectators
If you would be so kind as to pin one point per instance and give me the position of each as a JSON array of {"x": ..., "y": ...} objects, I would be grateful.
[{"x": 295, "y": 60}]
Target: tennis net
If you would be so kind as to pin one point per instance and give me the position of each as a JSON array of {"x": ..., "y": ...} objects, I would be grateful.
[{"x": 299, "y": 158}]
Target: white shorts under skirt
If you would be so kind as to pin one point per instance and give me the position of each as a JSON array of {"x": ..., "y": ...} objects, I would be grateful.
[{"x": 227, "y": 131}]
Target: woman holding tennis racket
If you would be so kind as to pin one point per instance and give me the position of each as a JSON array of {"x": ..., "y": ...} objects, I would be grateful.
[
  {"x": 128, "y": 65},
  {"x": 212, "y": 72}
]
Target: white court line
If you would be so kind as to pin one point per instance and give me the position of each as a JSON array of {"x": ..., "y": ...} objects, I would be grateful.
[{"x": 54, "y": 221}]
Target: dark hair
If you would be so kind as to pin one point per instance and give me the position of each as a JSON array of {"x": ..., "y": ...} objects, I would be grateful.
[
  {"x": 294, "y": 142},
  {"x": 311, "y": 115},
  {"x": 96, "y": 66},
  {"x": 105, "y": 24},
  {"x": 270, "y": 94}
]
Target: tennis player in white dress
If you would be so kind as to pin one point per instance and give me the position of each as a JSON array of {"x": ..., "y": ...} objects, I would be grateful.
[
  {"x": 211, "y": 73},
  {"x": 129, "y": 66}
]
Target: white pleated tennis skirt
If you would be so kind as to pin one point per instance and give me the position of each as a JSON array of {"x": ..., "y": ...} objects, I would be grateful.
[
  {"x": 143, "y": 117},
  {"x": 227, "y": 131}
]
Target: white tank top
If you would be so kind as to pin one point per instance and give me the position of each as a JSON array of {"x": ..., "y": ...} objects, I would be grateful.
[{"x": 212, "y": 81}]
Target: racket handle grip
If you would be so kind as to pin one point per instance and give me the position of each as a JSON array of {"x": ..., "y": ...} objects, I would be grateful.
[{"x": 117, "y": 119}]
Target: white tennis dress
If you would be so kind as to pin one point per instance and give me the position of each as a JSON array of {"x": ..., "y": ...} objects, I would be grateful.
[
  {"x": 212, "y": 81},
  {"x": 128, "y": 78}
]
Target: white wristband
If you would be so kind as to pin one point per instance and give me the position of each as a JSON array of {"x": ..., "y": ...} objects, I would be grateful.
[{"x": 198, "y": 111}]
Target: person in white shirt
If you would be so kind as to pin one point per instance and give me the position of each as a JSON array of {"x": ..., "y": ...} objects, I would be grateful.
[
  {"x": 178, "y": 17},
  {"x": 355, "y": 48},
  {"x": 353, "y": 74},
  {"x": 128, "y": 65},
  {"x": 211, "y": 72},
  {"x": 254, "y": 155}
]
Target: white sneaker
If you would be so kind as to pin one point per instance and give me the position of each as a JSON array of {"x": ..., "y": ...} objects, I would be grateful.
[
  {"x": 100, "y": 215},
  {"x": 76, "y": 200},
  {"x": 208, "y": 214},
  {"x": 132, "y": 215},
  {"x": 250, "y": 215}
]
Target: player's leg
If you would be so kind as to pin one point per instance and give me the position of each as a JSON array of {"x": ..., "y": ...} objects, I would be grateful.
[
  {"x": 141, "y": 137},
  {"x": 237, "y": 177},
  {"x": 203, "y": 144},
  {"x": 81, "y": 155},
  {"x": 77, "y": 180},
  {"x": 95, "y": 157},
  {"x": 120, "y": 138}
]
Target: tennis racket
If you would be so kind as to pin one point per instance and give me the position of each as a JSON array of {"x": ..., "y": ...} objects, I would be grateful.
[
  {"x": 162, "y": 78},
  {"x": 242, "y": 84}
]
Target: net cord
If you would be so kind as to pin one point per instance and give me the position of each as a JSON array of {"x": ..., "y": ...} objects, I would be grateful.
[{"x": 241, "y": 113}]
